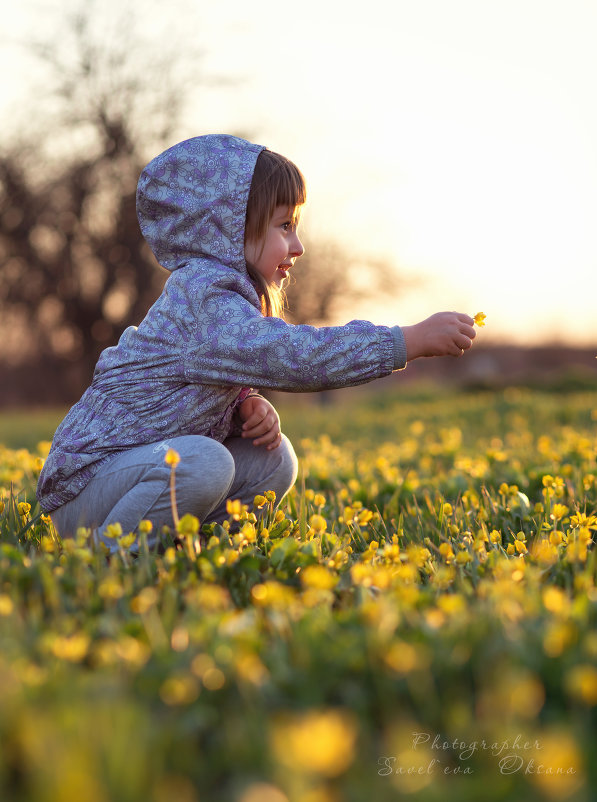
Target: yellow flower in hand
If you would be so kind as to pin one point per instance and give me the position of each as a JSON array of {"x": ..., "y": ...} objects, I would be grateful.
[{"x": 480, "y": 319}]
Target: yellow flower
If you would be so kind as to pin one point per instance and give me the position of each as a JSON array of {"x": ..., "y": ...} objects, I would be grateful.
[
  {"x": 364, "y": 517},
  {"x": 451, "y": 604},
  {"x": 558, "y": 637},
  {"x": 580, "y": 519},
  {"x": 555, "y": 600},
  {"x": 188, "y": 525},
  {"x": 581, "y": 682},
  {"x": 73, "y": 648},
  {"x": 144, "y": 600},
  {"x": 445, "y": 550},
  {"x": 316, "y": 576},
  {"x": 172, "y": 458},
  {"x": 320, "y": 742},
  {"x": 272, "y": 594},
  {"x": 480, "y": 319},
  {"x": 417, "y": 555},
  {"x": 126, "y": 541},
  {"x": 110, "y": 588},
  {"x": 318, "y": 523},
  {"x": 113, "y": 530},
  {"x": 6, "y": 605},
  {"x": 179, "y": 689},
  {"x": 576, "y": 551},
  {"x": 250, "y": 669},
  {"x": 23, "y": 508},
  {"x": 544, "y": 552},
  {"x": 559, "y": 510},
  {"x": 403, "y": 657},
  {"x": 249, "y": 532},
  {"x": 234, "y": 508}
]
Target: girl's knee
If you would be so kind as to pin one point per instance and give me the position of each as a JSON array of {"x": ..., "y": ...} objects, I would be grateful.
[
  {"x": 287, "y": 470},
  {"x": 206, "y": 470}
]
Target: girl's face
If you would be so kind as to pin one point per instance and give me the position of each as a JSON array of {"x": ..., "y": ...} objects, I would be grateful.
[{"x": 274, "y": 257}]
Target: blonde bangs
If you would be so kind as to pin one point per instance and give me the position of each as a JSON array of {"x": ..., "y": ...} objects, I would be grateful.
[{"x": 276, "y": 182}]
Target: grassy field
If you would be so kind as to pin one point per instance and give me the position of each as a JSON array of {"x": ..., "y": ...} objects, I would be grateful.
[{"x": 417, "y": 621}]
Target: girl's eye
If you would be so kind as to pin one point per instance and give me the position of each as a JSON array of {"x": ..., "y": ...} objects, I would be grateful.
[{"x": 287, "y": 226}]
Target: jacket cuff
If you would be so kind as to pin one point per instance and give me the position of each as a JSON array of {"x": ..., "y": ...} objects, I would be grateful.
[{"x": 399, "y": 348}]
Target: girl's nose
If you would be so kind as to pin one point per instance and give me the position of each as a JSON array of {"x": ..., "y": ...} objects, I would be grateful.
[{"x": 296, "y": 246}]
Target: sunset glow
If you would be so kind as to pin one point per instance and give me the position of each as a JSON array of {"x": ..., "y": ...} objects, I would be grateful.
[{"x": 456, "y": 140}]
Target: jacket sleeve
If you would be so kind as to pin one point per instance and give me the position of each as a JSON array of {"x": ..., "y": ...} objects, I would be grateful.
[{"x": 228, "y": 341}]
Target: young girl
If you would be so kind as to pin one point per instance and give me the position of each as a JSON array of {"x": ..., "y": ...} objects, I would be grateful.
[{"x": 221, "y": 215}]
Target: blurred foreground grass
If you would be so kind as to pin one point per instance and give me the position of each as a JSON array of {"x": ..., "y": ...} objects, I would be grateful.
[{"x": 416, "y": 622}]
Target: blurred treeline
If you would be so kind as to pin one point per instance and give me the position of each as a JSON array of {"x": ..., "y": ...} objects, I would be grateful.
[{"x": 74, "y": 268}]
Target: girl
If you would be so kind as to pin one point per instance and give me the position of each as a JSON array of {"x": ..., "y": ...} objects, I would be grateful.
[{"x": 221, "y": 215}]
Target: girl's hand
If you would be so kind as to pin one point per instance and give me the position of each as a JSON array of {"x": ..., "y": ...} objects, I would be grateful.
[
  {"x": 443, "y": 334},
  {"x": 261, "y": 421}
]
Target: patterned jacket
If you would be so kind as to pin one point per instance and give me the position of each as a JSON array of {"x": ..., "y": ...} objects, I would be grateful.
[{"x": 185, "y": 368}]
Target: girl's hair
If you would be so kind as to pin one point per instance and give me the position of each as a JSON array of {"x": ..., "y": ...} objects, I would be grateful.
[{"x": 276, "y": 182}]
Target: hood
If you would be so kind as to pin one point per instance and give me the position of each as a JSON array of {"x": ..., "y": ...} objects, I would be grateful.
[{"x": 192, "y": 200}]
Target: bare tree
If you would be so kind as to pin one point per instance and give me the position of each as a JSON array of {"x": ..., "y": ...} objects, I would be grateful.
[{"x": 74, "y": 269}]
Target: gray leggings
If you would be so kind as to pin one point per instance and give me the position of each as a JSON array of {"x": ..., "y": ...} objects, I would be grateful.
[{"x": 135, "y": 485}]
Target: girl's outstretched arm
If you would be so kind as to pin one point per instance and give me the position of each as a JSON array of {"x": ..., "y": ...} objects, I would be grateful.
[
  {"x": 442, "y": 334},
  {"x": 227, "y": 340}
]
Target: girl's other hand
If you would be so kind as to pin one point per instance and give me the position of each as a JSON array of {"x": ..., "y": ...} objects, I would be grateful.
[
  {"x": 261, "y": 421},
  {"x": 442, "y": 334}
]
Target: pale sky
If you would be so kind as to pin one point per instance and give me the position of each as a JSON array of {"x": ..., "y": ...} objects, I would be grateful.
[{"x": 456, "y": 138}]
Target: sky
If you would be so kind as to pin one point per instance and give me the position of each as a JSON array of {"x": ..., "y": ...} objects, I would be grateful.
[{"x": 457, "y": 139}]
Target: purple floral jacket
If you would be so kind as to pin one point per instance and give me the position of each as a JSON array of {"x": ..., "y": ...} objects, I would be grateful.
[{"x": 204, "y": 341}]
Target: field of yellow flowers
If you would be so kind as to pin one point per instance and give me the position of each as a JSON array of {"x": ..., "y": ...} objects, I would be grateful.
[{"x": 417, "y": 621}]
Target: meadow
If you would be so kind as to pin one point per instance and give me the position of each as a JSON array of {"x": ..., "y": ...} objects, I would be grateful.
[{"x": 416, "y": 621}]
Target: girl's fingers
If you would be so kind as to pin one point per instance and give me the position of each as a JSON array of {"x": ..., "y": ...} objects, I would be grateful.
[
  {"x": 267, "y": 426},
  {"x": 253, "y": 420},
  {"x": 276, "y": 442},
  {"x": 258, "y": 424},
  {"x": 271, "y": 439}
]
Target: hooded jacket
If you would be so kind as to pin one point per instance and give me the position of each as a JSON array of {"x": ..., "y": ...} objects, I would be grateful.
[{"x": 185, "y": 368}]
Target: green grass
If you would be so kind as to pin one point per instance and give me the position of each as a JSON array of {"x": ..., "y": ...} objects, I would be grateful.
[
  {"x": 417, "y": 623},
  {"x": 26, "y": 428}
]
